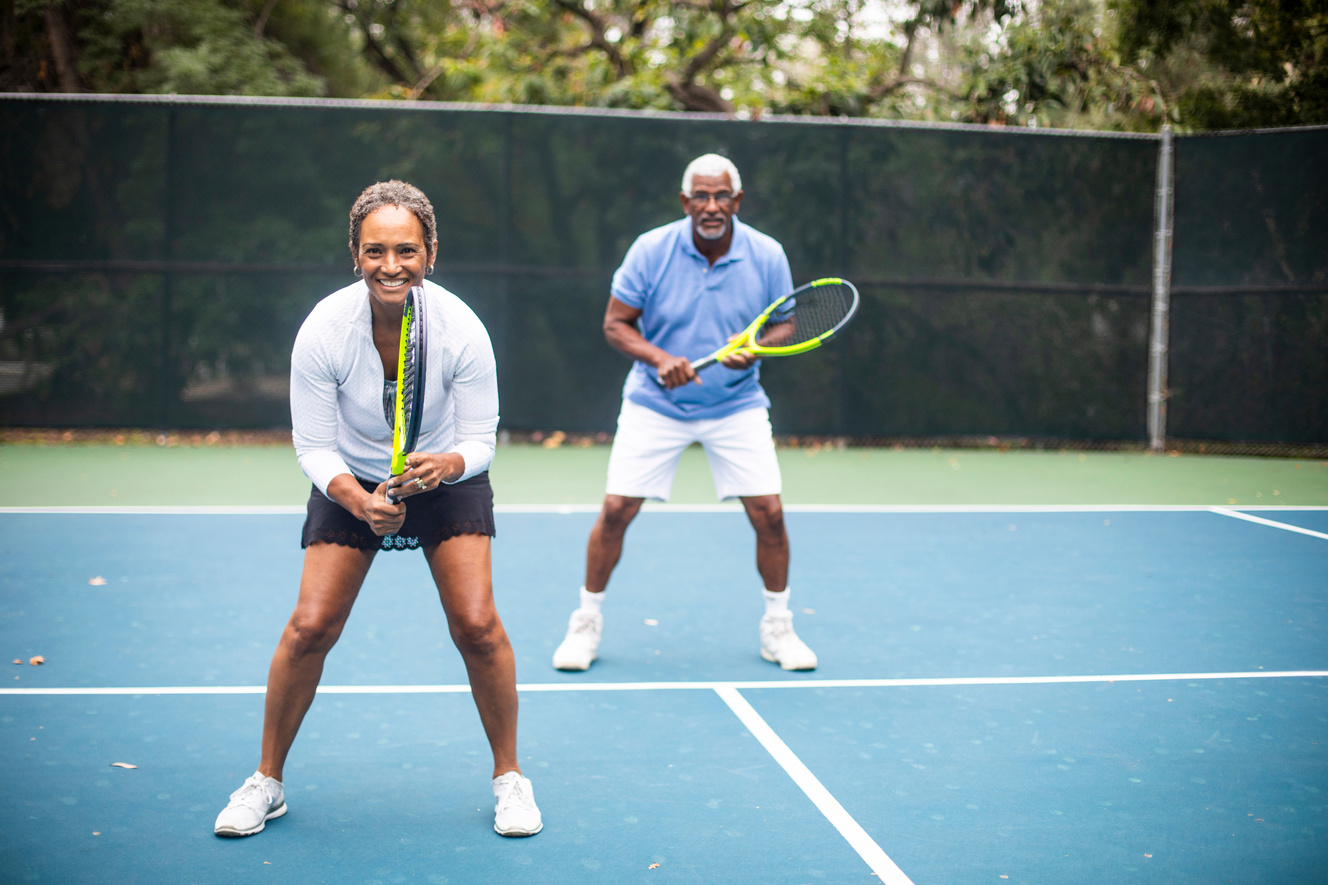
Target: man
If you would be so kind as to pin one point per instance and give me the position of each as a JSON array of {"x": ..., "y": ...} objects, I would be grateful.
[{"x": 685, "y": 289}]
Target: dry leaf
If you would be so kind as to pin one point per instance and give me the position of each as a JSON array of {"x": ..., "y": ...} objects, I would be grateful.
[
  {"x": 36, "y": 660},
  {"x": 95, "y": 833},
  {"x": 18, "y": 660},
  {"x": 653, "y": 866},
  {"x": 1148, "y": 855},
  {"x": 97, "y": 581},
  {"x": 122, "y": 765}
]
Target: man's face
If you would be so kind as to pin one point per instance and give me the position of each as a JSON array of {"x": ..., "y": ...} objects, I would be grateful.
[{"x": 711, "y": 205}]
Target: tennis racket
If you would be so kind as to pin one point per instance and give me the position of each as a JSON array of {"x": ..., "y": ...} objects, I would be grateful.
[
  {"x": 802, "y": 320},
  {"x": 411, "y": 361}
]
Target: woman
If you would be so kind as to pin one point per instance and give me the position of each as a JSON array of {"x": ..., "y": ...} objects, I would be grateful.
[{"x": 343, "y": 380}]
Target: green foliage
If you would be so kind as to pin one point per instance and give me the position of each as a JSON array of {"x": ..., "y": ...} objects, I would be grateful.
[
  {"x": 1232, "y": 63},
  {"x": 200, "y": 47},
  {"x": 1114, "y": 64}
]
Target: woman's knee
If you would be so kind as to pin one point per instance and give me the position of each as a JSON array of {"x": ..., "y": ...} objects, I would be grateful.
[
  {"x": 312, "y": 632},
  {"x": 478, "y": 631}
]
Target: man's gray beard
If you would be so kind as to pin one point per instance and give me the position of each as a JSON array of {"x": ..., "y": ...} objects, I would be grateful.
[{"x": 700, "y": 232}]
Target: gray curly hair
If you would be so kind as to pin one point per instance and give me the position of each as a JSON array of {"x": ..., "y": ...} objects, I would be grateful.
[{"x": 393, "y": 193}]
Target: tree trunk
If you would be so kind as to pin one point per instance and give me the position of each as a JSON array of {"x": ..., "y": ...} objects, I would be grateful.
[{"x": 62, "y": 48}]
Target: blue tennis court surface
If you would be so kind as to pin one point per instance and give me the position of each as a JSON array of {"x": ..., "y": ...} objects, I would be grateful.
[{"x": 1005, "y": 695}]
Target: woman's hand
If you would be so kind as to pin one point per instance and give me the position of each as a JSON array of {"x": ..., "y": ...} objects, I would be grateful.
[
  {"x": 425, "y": 472},
  {"x": 384, "y": 515}
]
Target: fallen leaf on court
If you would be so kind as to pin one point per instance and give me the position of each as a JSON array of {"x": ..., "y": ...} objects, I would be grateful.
[
  {"x": 650, "y": 622},
  {"x": 36, "y": 660},
  {"x": 18, "y": 660},
  {"x": 1148, "y": 855},
  {"x": 653, "y": 866},
  {"x": 97, "y": 581},
  {"x": 122, "y": 765},
  {"x": 95, "y": 833}
]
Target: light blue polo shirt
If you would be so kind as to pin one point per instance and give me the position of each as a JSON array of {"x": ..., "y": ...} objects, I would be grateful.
[{"x": 690, "y": 309}]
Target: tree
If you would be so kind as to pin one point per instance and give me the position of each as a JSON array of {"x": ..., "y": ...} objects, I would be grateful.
[
  {"x": 1232, "y": 63},
  {"x": 241, "y": 47},
  {"x": 1117, "y": 64}
]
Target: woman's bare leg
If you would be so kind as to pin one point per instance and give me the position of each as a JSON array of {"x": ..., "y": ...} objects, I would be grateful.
[
  {"x": 461, "y": 568},
  {"x": 330, "y": 582}
]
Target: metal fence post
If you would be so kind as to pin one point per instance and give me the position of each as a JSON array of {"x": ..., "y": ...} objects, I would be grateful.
[
  {"x": 166, "y": 369},
  {"x": 1157, "y": 350}
]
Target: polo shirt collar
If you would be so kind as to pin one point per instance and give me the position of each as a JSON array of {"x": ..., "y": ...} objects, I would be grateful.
[{"x": 738, "y": 248}]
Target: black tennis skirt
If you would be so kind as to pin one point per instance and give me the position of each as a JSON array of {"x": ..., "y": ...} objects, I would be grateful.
[{"x": 464, "y": 508}]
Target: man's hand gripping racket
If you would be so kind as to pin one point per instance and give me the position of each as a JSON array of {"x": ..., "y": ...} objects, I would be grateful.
[{"x": 800, "y": 321}]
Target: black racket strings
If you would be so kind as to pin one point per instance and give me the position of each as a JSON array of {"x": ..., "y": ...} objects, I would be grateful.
[
  {"x": 811, "y": 314},
  {"x": 412, "y": 380}
]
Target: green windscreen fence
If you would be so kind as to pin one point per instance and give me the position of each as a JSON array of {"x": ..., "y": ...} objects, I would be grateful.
[{"x": 158, "y": 256}]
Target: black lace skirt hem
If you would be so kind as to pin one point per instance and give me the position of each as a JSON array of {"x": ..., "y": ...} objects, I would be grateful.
[{"x": 465, "y": 508}]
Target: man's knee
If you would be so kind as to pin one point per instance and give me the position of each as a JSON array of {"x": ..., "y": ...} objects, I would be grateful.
[
  {"x": 618, "y": 512},
  {"x": 767, "y": 517}
]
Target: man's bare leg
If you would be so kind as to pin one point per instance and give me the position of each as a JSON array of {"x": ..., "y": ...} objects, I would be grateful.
[{"x": 604, "y": 548}]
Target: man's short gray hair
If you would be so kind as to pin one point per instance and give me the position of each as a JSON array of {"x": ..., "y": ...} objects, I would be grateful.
[{"x": 711, "y": 164}]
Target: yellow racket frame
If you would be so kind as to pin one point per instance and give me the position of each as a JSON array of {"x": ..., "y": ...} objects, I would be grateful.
[
  {"x": 745, "y": 341},
  {"x": 399, "y": 426}
]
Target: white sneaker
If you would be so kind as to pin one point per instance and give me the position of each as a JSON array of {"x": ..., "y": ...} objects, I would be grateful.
[
  {"x": 581, "y": 644},
  {"x": 515, "y": 813},
  {"x": 258, "y": 801},
  {"x": 782, "y": 646}
]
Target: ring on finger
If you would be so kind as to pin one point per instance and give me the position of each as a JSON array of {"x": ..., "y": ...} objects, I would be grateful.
[{"x": 419, "y": 482}]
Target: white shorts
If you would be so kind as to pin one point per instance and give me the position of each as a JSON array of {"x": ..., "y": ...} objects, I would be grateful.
[{"x": 646, "y": 449}]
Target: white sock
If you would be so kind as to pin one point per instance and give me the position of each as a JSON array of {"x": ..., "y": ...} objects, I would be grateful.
[
  {"x": 775, "y": 602},
  {"x": 591, "y": 601}
]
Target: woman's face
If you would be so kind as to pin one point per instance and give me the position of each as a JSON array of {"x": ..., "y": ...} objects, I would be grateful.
[{"x": 392, "y": 254}]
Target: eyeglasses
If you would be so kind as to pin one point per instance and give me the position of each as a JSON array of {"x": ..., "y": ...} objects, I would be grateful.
[{"x": 701, "y": 198}]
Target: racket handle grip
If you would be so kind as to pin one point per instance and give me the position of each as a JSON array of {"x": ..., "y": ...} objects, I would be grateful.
[{"x": 703, "y": 362}]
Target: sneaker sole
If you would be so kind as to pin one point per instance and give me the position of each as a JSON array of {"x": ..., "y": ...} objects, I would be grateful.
[
  {"x": 516, "y": 832},
  {"x": 571, "y": 667},
  {"x": 774, "y": 660},
  {"x": 231, "y": 833}
]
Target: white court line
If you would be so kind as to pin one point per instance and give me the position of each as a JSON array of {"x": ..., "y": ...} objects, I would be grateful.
[
  {"x": 654, "y": 506},
  {"x": 920, "y": 682},
  {"x": 866, "y": 847},
  {"x": 1224, "y": 511}
]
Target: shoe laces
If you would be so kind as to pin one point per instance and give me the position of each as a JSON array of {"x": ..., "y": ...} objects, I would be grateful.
[
  {"x": 583, "y": 623},
  {"x": 515, "y": 792},
  {"x": 777, "y": 627},
  {"x": 254, "y": 793}
]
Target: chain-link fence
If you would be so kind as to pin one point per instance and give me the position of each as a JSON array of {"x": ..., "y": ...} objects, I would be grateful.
[{"x": 158, "y": 255}]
